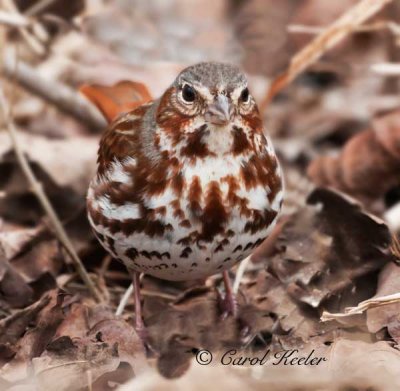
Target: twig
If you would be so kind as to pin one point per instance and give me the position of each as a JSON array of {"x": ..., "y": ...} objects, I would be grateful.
[
  {"x": 54, "y": 92},
  {"x": 13, "y": 19},
  {"x": 327, "y": 39},
  {"x": 38, "y": 7},
  {"x": 30, "y": 39},
  {"x": 144, "y": 292},
  {"x": 362, "y": 307},
  {"x": 105, "y": 264},
  {"x": 160, "y": 295},
  {"x": 124, "y": 300},
  {"x": 393, "y": 27},
  {"x": 37, "y": 189},
  {"x": 239, "y": 274},
  {"x": 304, "y": 29},
  {"x": 37, "y": 27},
  {"x": 386, "y": 69},
  {"x": 89, "y": 378}
]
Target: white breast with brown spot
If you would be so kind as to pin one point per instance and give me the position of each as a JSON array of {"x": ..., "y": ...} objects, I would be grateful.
[{"x": 180, "y": 253}]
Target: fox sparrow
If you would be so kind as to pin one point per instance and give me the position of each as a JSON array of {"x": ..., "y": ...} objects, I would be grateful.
[{"x": 187, "y": 185}]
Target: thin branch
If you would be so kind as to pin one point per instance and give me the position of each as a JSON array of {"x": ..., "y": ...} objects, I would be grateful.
[
  {"x": 124, "y": 300},
  {"x": 60, "y": 95},
  {"x": 144, "y": 292},
  {"x": 362, "y": 307},
  {"x": 240, "y": 273},
  {"x": 105, "y": 264},
  {"x": 30, "y": 39},
  {"x": 37, "y": 189},
  {"x": 326, "y": 40},
  {"x": 38, "y": 7},
  {"x": 161, "y": 295},
  {"x": 393, "y": 27},
  {"x": 13, "y": 19},
  {"x": 386, "y": 69}
]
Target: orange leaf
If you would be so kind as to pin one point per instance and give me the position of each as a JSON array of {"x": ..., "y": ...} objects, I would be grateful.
[{"x": 117, "y": 99}]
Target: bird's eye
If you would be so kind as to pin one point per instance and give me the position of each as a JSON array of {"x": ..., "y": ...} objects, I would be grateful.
[
  {"x": 188, "y": 93},
  {"x": 244, "y": 96}
]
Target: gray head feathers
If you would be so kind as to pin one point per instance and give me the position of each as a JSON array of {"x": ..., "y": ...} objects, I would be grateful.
[{"x": 212, "y": 75}]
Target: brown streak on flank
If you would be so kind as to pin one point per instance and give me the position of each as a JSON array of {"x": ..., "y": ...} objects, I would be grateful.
[
  {"x": 151, "y": 228},
  {"x": 233, "y": 188},
  {"x": 145, "y": 254},
  {"x": 174, "y": 161},
  {"x": 189, "y": 240},
  {"x": 194, "y": 196},
  {"x": 178, "y": 212},
  {"x": 229, "y": 233},
  {"x": 186, "y": 241},
  {"x": 249, "y": 175},
  {"x": 214, "y": 215},
  {"x": 240, "y": 141},
  {"x": 260, "y": 221},
  {"x": 232, "y": 197},
  {"x": 261, "y": 171},
  {"x": 117, "y": 145},
  {"x": 132, "y": 253},
  {"x": 156, "y": 254},
  {"x": 276, "y": 187},
  {"x": 156, "y": 188},
  {"x": 268, "y": 176},
  {"x": 161, "y": 266},
  {"x": 95, "y": 214},
  {"x": 238, "y": 248},
  {"x": 177, "y": 184},
  {"x": 162, "y": 210},
  {"x": 248, "y": 245},
  {"x": 186, "y": 252},
  {"x": 258, "y": 242},
  {"x": 244, "y": 210},
  {"x": 195, "y": 148},
  {"x": 185, "y": 224},
  {"x": 220, "y": 247},
  {"x": 148, "y": 224},
  {"x": 155, "y": 180}
]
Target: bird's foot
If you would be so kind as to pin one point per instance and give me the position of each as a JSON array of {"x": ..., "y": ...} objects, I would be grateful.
[{"x": 143, "y": 333}]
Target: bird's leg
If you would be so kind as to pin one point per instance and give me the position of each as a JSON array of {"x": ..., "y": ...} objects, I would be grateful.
[
  {"x": 139, "y": 325},
  {"x": 229, "y": 305}
]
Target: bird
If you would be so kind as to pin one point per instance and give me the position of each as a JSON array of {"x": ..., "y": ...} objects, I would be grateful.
[{"x": 189, "y": 184}]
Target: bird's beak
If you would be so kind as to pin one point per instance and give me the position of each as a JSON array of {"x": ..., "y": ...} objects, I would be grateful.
[{"x": 219, "y": 112}]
